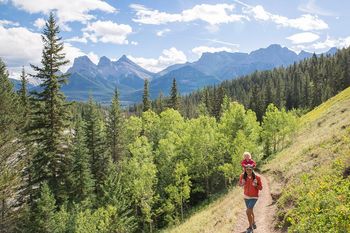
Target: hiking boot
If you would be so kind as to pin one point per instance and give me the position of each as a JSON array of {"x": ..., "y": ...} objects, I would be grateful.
[
  {"x": 249, "y": 230},
  {"x": 254, "y": 226}
]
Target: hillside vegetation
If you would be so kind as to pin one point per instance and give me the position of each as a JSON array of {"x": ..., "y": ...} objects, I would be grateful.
[
  {"x": 315, "y": 171},
  {"x": 309, "y": 179}
]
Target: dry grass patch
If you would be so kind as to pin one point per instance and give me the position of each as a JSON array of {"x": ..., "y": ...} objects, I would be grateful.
[{"x": 218, "y": 217}]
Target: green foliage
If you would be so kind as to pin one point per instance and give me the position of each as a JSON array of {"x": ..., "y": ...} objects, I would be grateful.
[
  {"x": 145, "y": 98},
  {"x": 115, "y": 130},
  {"x": 277, "y": 126},
  {"x": 320, "y": 202},
  {"x": 140, "y": 177},
  {"x": 50, "y": 117},
  {"x": 10, "y": 167},
  {"x": 43, "y": 214},
  {"x": 96, "y": 145},
  {"x": 82, "y": 180},
  {"x": 174, "y": 98},
  {"x": 179, "y": 192}
]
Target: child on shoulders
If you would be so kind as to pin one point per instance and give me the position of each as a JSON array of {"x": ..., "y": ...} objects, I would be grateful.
[{"x": 247, "y": 161}]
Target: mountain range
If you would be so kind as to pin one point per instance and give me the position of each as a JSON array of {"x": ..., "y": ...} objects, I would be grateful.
[{"x": 88, "y": 79}]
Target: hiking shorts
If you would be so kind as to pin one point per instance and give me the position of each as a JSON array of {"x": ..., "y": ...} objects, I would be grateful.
[{"x": 250, "y": 203}]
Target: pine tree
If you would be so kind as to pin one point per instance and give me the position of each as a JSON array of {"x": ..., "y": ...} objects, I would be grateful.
[
  {"x": 83, "y": 183},
  {"x": 96, "y": 144},
  {"x": 50, "y": 115},
  {"x": 160, "y": 103},
  {"x": 10, "y": 162},
  {"x": 146, "y": 99},
  {"x": 23, "y": 90},
  {"x": 115, "y": 129},
  {"x": 43, "y": 216},
  {"x": 174, "y": 99}
]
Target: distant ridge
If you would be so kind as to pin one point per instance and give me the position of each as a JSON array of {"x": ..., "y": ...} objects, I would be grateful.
[{"x": 100, "y": 80}]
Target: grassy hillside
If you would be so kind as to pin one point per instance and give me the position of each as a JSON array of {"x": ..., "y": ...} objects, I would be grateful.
[
  {"x": 217, "y": 217},
  {"x": 314, "y": 171},
  {"x": 309, "y": 179}
]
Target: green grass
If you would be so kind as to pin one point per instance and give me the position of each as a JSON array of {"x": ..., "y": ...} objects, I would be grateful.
[{"x": 307, "y": 176}]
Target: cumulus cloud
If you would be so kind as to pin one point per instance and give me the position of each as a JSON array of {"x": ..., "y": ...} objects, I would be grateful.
[
  {"x": 305, "y": 22},
  {"x": 162, "y": 32},
  {"x": 304, "y": 37},
  {"x": 168, "y": 57},
  {"x": 21, "y": 47},
  {"x": 39, "y": 23},
  {"x": 106, "y": 32},
  {"x": 203, "y": 49},
  {"x": 212, "y": 14},
  {"x": 66, "y": 10}
]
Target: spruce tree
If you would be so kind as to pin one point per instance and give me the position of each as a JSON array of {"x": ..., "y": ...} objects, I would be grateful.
[
  {"x": 146, "y": 99},
  {"x": 23, "y": 90},
  {"x": 115, "y": 129},
  {"x": 10, "y": 162},
  {"x": 43, "y": 216},
  {"x": 174, "y": 98},
  {"x": 96, "y": 144},
  {"x": 83, "y": 183},
  {"x": 50, "y": 115}
]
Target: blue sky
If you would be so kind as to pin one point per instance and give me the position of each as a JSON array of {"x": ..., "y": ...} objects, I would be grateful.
[{"x": 159, "y": 33}]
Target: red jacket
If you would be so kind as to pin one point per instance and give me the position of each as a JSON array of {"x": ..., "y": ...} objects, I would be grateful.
[
  {"x": 251, "y": 191},
  {"x": 250, "y": 162}
]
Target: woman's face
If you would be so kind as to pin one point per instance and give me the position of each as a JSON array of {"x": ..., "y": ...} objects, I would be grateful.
[{"x": 249, "y": 171}]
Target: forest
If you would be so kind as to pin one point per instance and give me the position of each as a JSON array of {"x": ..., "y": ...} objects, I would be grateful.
[{"x": 82, "y": 167}]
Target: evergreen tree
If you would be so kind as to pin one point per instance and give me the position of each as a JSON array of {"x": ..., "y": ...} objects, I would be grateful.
[
  {"x": 96, "y": 144},
  {"x": 146, "y": 99},
  {"x": 23, "y": 90},
  {"x": 43, "y": 216},
  {"x": 115, "y": 129},
  {"x": 174, "y": 98},
  {"x": 10, "y": 162},
  {"x": 82, "y": 183},
  {"x": 50, "y": 115},
  {"x": 160, "y": 103}
]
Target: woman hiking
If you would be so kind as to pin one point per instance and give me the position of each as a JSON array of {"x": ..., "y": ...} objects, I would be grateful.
[{"x": 252, "y": 184}]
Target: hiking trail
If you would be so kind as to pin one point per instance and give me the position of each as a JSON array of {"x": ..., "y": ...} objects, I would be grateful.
[{"x": 264, "y": 212}]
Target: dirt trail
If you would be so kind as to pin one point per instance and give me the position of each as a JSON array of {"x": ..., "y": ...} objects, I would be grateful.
[{"x": 264, "y": 211}]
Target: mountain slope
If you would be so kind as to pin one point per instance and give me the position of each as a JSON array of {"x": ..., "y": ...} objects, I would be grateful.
[{"x": 321, "y": 148}]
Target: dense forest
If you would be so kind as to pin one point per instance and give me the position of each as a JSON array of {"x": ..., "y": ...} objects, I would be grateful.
[
  {"x": 75, "y": 167},
  {"x": 303, "y": 85}
]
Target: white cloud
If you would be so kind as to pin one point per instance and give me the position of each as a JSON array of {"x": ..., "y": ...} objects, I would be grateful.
[
  {"x": 162, "y": 32},
  {"x": 311, "y": 8},
  {"x": 324, "y": 45},
  {"x": 304, "y": 37},
  {"x": 168, "y": 57},
  {"x": 4, "y": 22},
  {"x": 77, "y": 39},
  {"x": 107, "y": 32},
  {"x": 40, "y": 23},
  {"x": 21, "y": 47},
  {"x": 134, "y": 43},
  {"x": 66, "y": 10},
  {"x": 329, "y": 43},
  {"x": 212, "y": 14},
  {"x": 202, "y": 49},
  {"x": 305, "y": 22}
]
